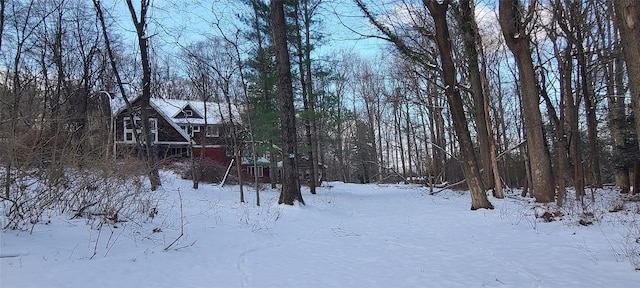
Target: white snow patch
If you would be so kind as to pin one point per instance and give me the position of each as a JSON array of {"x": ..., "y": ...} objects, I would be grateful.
[{"x": 347, "y": 235}]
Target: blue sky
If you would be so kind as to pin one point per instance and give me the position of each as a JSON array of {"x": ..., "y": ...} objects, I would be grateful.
[{"x": 187, "y": 21}]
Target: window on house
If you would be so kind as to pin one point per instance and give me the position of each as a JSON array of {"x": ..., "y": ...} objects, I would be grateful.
[
  {"x": 153, "y": 126},
  {"x": 213, "y": 131},
  {"x": 229, "y": 151},
  {"x": 127, "y": 123},
  {"x": 188, "y": 113},
  {"x": 130, "y": 132},
  {"x": 252, "y": 171},
  {"x": 190, "y": 129}
]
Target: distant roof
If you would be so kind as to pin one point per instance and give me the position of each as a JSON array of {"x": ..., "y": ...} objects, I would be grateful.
[
  {"x": 217, "y": 113},
  {"x": 261, "y": 161}
]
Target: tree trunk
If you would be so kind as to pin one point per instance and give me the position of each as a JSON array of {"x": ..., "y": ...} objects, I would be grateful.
[
  {"x": 564, "y": 65},
  {"x": 237, "y": 151},
  {"x": 465, "y": 19},
  {"x": 290, "y": 181},
  {"x": 398, "y": 131},
  {"x": 517, "y": 40},
  {"x": 195, "y": 169},
  {"x": 305, "y": 77},
  {"x": 409, "y": 131},
  {"x": 497, "y": 185},
  {"x": 470, "y": 164},
  {"x": 618, "y": 121},
  {"x": 595, "y": 178},
  {"x": 575, "y": 145},
  {"x": 636, "y": 177},
  {"x": 143, "y": 43},
  {"x": 2, "y": 9},
  {"x": 313, "y": 142},
  {"x": 628, "y": 22},
  {"x": 436, "y": 131}
]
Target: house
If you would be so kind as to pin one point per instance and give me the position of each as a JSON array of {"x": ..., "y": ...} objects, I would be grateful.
[
  {"x": 181, "y": 126},
  {"x": 178, "y": 125},
  {"x": 262, "y": 168}
]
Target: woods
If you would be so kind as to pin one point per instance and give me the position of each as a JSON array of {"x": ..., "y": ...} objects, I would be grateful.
[
  {"x": 537, "y": 95},
  {"x": 219, "y": 143}
]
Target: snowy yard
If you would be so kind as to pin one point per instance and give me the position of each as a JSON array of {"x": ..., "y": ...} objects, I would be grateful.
[{"x": 347, "y": 235}]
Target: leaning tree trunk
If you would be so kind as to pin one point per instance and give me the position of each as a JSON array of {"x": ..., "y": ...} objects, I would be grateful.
[
  {"x": 470, "y": 165},
  {"x": 465, "y": 21},
  {"x": 290, "y": 182},
  {"x": 517, "y": 40}
]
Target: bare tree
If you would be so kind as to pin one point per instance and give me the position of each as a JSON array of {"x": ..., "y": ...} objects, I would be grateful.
[
  {"x": 471, "y": 37},
  {"x": 466, "y": 22},
  {"x": 144, "y": 140},
  {"x": 140, "y": 23},
  {"x": 513, "y": 22},
  {"x": 2, "y": 9},
  {"x": 470, "y": 163},
  {"x": 220, "y": 62},
  {"x": 19, "y": 91}
]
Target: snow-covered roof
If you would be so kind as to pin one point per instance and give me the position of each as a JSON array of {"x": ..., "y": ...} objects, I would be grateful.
[
  {"x": 261, "y": 161},
  {"x": 217, "y": 113}
]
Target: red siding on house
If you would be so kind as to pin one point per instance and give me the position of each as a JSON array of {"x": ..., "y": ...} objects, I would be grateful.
[
  {"x": 266, "y": 176},
  {"x": 217, "y": 153}
]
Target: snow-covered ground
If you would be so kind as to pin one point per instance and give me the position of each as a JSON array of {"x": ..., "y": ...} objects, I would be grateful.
[{"x": 347, "y": 235}]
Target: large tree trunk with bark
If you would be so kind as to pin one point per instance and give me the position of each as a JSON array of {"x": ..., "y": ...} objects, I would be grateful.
[
  {"x": 628, "y": 22},
  {"x": 470, "y": 163},
  {"x": 618, "y": 122},
  {"x": 514, "y": 31},
  {"x": 290, "y": 182}
]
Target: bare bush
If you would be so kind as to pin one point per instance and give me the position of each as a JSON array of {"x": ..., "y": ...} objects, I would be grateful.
[
  {"x": 206, "y": 170},
  {"x": 107, "y": 191}
]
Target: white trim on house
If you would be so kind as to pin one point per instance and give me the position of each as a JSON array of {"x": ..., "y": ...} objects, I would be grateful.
[
  {"x": 212, "y": 131},
  {"x": 169, "y": 108},
  {"x": 132, "y": 130},
  {"x": 171, "y": 122},
  {"x": 250, "y": 170}
]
